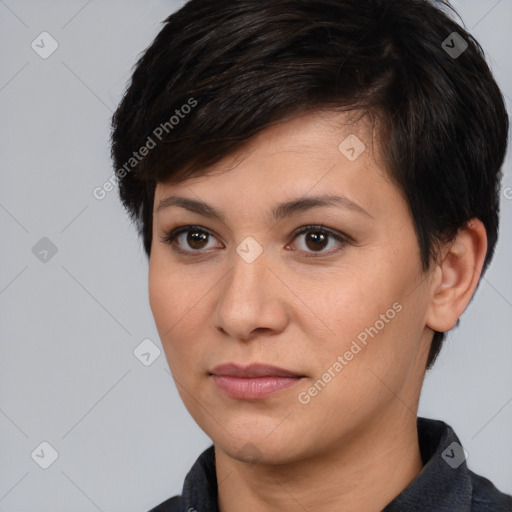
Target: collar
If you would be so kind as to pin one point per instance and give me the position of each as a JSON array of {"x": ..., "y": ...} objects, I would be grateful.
[{"x": 445, "y": 483}]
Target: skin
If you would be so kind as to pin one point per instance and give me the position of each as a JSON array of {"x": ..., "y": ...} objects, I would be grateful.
[{"x": 354, "y": 445}]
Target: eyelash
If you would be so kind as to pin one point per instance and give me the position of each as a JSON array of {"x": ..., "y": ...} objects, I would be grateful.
[{"x": 171, "y": 236}]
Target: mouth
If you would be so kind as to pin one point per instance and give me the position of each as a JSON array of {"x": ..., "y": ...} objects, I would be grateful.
[
  {"x": 253, "y": 382},
  {"x": 252, "y": 371}
]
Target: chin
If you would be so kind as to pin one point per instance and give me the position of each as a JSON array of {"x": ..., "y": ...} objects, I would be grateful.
[{"x": 262, "y": 449}]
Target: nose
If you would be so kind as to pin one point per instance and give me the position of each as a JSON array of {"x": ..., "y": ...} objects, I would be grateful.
[{"x": 251, "y": 299}]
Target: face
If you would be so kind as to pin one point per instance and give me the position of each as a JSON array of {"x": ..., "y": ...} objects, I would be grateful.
[{"x": 332, "y": 293}]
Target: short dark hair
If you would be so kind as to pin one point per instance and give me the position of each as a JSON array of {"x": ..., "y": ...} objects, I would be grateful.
[{"x": 239, "y": 66}]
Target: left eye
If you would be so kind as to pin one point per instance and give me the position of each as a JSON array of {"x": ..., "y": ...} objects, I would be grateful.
[{"x": 316, "y": 239}]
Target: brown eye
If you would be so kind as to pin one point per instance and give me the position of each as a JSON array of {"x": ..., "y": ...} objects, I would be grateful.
[
  {"x": 317, "y": 239},
  {"x": 189, "y": 239},
  {"x": 196, "y": 239}
]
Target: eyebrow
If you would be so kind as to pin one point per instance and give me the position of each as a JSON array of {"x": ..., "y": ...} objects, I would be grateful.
[{"x": 279, "y": 212}]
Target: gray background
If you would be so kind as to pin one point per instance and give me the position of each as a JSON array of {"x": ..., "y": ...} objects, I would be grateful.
[{"x": 69, "y": 325}]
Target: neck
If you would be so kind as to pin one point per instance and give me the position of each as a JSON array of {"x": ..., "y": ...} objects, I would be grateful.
[{"x": 365, "y": 473}]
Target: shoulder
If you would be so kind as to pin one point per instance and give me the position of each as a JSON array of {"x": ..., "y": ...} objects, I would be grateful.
[
  {"x": 170, "y": 505},
  {"x": 486, "y": 497}
]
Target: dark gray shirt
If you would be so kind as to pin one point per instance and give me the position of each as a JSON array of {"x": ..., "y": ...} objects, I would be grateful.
[{"x": 445, "y": 483}]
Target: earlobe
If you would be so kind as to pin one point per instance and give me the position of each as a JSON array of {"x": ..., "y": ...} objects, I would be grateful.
[{"x": 456, "y": 276}]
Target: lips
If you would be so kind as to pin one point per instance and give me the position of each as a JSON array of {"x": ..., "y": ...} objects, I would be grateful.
[
  {"x": 252, "y": 371},
  {"x": 253, "y": 382}
]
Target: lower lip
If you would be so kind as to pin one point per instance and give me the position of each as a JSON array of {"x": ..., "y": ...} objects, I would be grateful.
[{"x": 253, "y": 388}]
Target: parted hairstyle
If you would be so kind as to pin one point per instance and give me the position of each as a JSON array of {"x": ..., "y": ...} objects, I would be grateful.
[{"x": 219, "y": 72}]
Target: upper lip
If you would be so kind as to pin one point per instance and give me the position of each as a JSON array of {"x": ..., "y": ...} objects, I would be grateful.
[{"x": 252, "y": 370}]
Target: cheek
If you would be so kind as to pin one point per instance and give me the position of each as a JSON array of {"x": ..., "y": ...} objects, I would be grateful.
[
  {"x": 355, "y": 300},
  {"x": 167, "y": 299},
  {"x": 159, "y": 290},
  {"x": 178, "y": 314},
  {"x": 170, "y": 291},
  {"x": 373, "y": 318}
]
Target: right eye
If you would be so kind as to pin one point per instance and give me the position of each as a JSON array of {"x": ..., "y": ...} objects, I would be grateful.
[{"x": 194, "y": 237}]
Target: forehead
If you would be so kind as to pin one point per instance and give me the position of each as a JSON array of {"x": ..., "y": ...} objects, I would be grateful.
[{"x": 314, "y": 153}]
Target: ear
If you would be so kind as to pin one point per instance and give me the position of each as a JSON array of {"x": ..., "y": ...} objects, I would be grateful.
[{"x": 456, "y": 277}]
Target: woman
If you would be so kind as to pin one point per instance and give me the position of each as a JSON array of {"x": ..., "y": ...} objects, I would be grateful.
[{"x": 316, "y": 183}]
